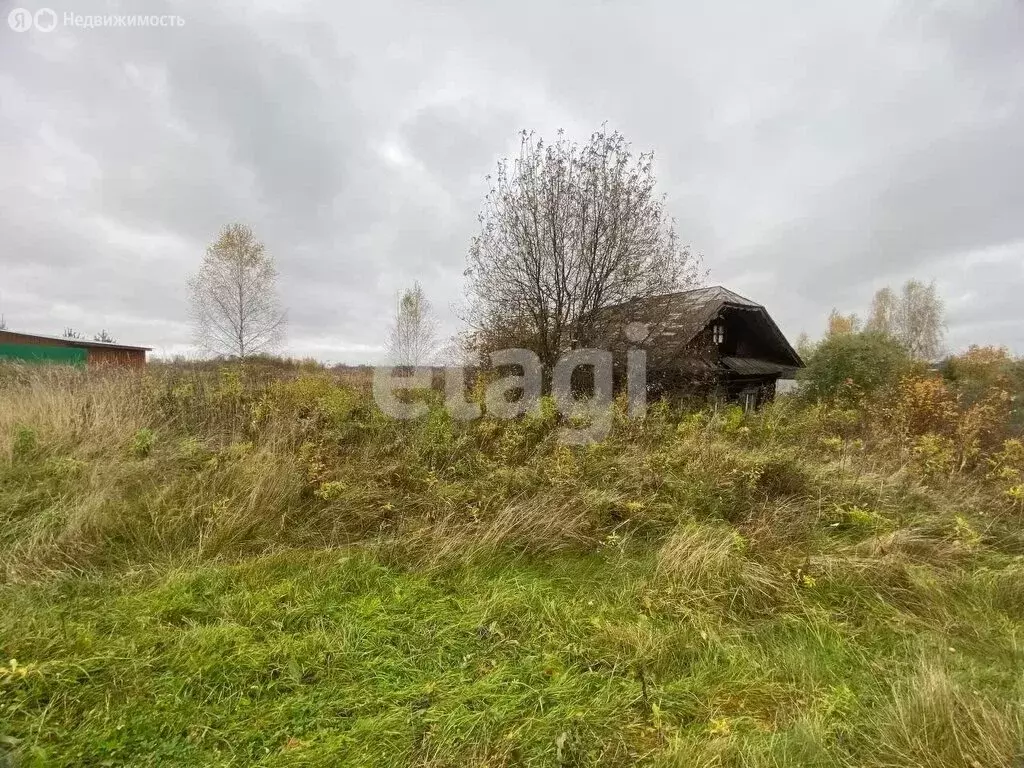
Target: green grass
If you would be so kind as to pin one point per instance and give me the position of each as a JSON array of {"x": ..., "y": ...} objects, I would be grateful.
[
  {"x": 327, "y": 658},
  {"x": 205, "y": 570}
]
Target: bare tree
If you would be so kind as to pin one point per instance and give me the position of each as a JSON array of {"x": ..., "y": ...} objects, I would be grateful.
[
  {"x": 567, "y": 231},
  {"x": 235, "y": 309},
  {"x": 914, "y": 318},
  {"x": 104, "y": 337},
  {"x": 413, "y": 337},
  {"x": 71, "y": 333}
]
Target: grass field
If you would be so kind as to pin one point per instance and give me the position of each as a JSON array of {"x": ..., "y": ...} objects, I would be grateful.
[{"x": 243, "y": 568}]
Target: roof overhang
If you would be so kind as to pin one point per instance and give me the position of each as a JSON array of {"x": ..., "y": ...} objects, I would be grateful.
[
  {"x": 29, "y": 338},
  {"x": 752, "y": 366},
  {"x": 676, "y": 320}
]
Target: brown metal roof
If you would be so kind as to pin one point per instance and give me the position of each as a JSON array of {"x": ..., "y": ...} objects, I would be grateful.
[{"x": 30, "y": 337}]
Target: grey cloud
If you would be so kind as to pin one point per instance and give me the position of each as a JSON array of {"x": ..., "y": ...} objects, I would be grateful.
[
  {"x": 811, "y": 153},
  {"x": 456, "y": 143}
]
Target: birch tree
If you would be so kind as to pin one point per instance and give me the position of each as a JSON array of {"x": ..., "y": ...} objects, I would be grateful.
[
  {"x": 235, "y": 309},
  {"x": 914, "y": 317},
  {"x": 412, "y": 339}
]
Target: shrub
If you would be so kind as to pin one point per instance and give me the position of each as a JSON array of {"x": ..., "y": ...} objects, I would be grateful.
[
  {"x": 979, "y": 370},
  {"x": 1006, "y": 467},
  {"x": 919, "y": 405},
  {"x": 935, "y": 454},
  {"x": 852, "y": 365},
  {"x": 924, "y": 412}
]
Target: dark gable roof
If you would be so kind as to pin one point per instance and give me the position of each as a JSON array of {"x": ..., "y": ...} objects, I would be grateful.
[
  {"x": 675, "y": 319},
  {"x": 31, "y": 337}
]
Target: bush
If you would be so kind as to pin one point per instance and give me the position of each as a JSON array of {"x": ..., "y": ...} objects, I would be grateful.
[
  {"x": 979, "y": 370},
  {"x": 955, "y": 435},
  {"x": 853, "y": 364}
]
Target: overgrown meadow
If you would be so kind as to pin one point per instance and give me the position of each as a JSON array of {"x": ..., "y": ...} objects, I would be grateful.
[{"x": 256, "y": 566}]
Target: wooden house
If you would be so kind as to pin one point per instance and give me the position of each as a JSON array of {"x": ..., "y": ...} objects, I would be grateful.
[{"x": 707, "y": 341}]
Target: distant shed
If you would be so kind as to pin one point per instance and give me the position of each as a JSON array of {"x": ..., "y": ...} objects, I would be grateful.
[{"x": 33, "y": 348}]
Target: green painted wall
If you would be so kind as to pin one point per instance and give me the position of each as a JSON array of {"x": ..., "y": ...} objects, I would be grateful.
[{"x": 37, "y": 353}]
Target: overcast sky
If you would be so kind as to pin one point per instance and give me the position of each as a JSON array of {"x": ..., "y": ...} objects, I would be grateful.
[{"x": 812, "y": 152}]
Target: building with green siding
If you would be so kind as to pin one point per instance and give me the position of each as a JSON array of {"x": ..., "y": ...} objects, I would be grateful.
[{"x": 35, "y": 348}]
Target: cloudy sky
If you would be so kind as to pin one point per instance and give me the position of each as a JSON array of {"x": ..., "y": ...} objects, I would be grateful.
[{"x": 812, "y": 152}]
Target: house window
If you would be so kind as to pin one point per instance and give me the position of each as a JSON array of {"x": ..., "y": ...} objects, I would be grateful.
[{"x": 718, "y": 333}]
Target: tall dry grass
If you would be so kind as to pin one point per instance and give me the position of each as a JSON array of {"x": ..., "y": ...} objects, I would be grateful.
[
  {"x": 106, "y": 467},
  {"x": 934, "y": 722}
]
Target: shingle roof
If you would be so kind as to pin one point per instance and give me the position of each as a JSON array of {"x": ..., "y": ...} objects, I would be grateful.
[
  {"x": 678, "y": 316},
  {"x": 675, "y": 319},
  {"x": 715, "y": 293}
]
